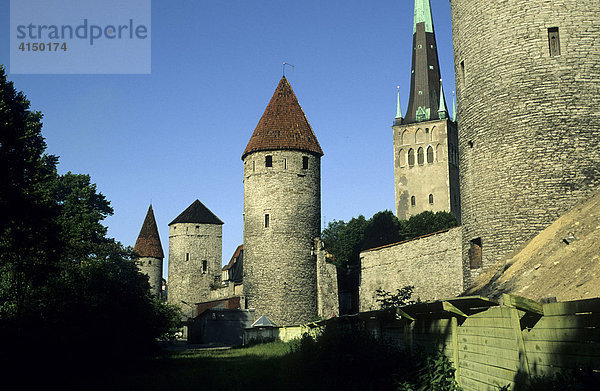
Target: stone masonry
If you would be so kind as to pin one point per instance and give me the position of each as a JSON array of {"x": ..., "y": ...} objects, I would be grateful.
[
  {"x": 280, "y": 276},
  {"x": 432, "y": 264},
  {"x": 528, "y": 90}
]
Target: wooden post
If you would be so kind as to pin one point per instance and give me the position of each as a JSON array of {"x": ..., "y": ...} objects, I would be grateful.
[
  {"x": 516, "y": 323},
  {"x": 454, "y": 331}
]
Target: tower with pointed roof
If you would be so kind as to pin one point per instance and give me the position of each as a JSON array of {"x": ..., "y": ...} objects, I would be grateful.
[
  {"x": 282, "y": 212},
  {"x": 195, "y": 249},
  {"x": 425, "y": 139},
  {"x": 150, "y": 253}
]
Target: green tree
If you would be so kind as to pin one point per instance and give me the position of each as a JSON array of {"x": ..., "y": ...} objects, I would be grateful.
[
  {"x": 344, "y": 240},
  {"x": 429, "y": 222},
  {"x": 382, "y": 228}
]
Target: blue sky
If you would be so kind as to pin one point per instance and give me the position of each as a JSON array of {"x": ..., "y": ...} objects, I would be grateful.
[{"x": 177, "y": 134}]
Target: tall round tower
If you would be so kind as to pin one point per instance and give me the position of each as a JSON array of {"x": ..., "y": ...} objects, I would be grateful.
[
  {"x": 528, "y": 89},
  {"x": 150, "y": 252},
  {"x": 282, "y": 212},
  {"x": 195, "y": 249}
]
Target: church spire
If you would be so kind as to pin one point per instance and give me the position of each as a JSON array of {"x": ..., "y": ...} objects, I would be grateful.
[
  {"x": 442, "y": 113},
  {"x": 398, "y": 107},
  {"x": 425, "y": 86}
]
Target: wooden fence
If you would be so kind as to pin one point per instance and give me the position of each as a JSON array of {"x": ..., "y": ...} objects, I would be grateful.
[{"x": 495, "y": 344}]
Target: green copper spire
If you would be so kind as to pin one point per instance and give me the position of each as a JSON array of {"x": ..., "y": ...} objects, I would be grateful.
[
  {"x": 453, "y": 107},
  {"x": 442, "y": 108},
  {"x": 423, "y": 15},
  {"x": 398, "y": 107}
]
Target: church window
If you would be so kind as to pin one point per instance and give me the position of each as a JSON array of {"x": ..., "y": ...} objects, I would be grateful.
[
  {"x": 419, "y": 136},
  {"x": 405, "y": 139},
  {"x": 554, "y": 41},
  {"x": 305, "y": 162},
  {"x": 411, "y": 157},
  {"x": 267, "y": 222},
  {"x": 431, "y": 199},
  {"x": 204, "y": 267},
  {"x": 401, "y": 157},
  {"x": 420, "y": 156},
  {"x": 434, "y": 134},
  {"x": 413, "y": 201},
  {"x": 430, "y": 154},
  {"x": 268, "y": 161},
  {"x": 475, "y": 254}
]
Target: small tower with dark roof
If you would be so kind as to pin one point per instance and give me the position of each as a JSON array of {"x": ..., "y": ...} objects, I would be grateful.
[
  {"x": 425, "y": 139},
  {"x": 150, "y": 252},
  {"x": 195, "y": 248},
  {"x": 282, "y": 212}
]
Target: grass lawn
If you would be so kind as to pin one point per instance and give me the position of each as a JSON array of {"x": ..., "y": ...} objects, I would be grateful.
[{"x": 268, "y": 366}]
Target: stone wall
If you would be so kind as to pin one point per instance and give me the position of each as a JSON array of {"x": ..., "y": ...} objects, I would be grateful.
[
  {"x": 327, "y": 287},
  {"x": 280, "y": 273},
  {"x": 432, "y": 264},
  {"x": 191, "y": 244},
  {"x": 437, "y": 176},
  {"x": 152, "y": 267},
  {"x": 528, "y": 119}
]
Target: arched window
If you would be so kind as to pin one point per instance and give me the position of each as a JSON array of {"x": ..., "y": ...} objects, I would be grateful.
[
  {"x": 438, "y": 151},
  {"x": 411, "y": 157},
  {"x": 413, "y": 201},
  {"x": 401, "y": 157},
  {"x": 434, "y": 134},
  {"x": 430, "y": 154},
  {"x": 405, "y": 139},
  {"x": 419, "y": 136},
  {"x": 420, "y": 156},
  {"x": 431, "y": 198}
]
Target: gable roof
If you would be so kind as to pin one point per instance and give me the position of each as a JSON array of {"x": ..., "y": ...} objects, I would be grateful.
[
  {"x": 148, "y": 241},
  {"x": 283, "y": 125},
  {"x": 197, "y": 213},
  {"x": 263, "y": 321}
]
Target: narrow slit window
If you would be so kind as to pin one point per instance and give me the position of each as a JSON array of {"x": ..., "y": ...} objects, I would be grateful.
[
  {"x": 462, "y": 71},
  {"x": 285, "y": 164},
  {"x": 413, "y": 201},
  {"x": 267, "y": 220},
  {"x": 204, "y": 267},
  {"x": 475, "y": 254},
  {"x": 187, "y": 257},
  {"x": 268, "y": 161},
  {"x": 554, "y": 41},
  {"x": 305, "y": 162},
  {"x": 431, "y": 199}
]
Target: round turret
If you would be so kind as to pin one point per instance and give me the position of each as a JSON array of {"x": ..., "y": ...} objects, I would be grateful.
[
  {"x": 527, "y": 80},
  {"x": 282, "y": 212},
  {"x": 150, "y": 253},
  {"x": 195, "y": 249}
]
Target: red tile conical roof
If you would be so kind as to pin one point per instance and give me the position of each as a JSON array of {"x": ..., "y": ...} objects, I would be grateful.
[
  {"x": 148, "y": 241},
  {"x": 283, "y": 125}
]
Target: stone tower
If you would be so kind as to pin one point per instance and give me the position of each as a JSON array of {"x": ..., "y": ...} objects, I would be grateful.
[
  {"x": 195, "y": 249},
  {"x": 425, "y": 141},
  {"x": 282, "y": 212},
  {"x": 528, "y": 90},
  {"x": 150, "y": 252}
]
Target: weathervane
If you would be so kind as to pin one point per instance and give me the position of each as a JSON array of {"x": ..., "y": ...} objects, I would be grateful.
[{"x": 284, "y": 64}]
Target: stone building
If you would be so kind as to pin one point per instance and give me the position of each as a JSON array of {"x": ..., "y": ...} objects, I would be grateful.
[
  {"x": 282, "y": 212},
  {"x": 425, "y": 140},
  {"x": 528, "y": 91},
  {"x": 150, "y": 253},
  {"x": 195, "y": 247}
]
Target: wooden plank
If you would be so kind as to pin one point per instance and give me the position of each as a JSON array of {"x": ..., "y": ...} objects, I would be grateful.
[
  {"x": 486, "y": 378},
  {"x": 473, "y": 321},
  {"x": 404, "y": 315},
  {"x": 522, "y": 303},
  {"x": 455, "y": 357},
  {"x": 564, "y": 360},
  {"x": 568, "y": 321},
  {"x": 449, "y": 307},
  {"x": 591, "y": 334},
  {"x": 508, "y": 363},
  {"x": 493, "y": 312},
  {"x": 510, "y": 353},
  {"x": 497, "y": 372},
  {"x": 572, "y": 307},
  {"x": 515, "y": 317},
  {"x": 489, "y": 341},
  {"x": 486, "y": 332},
  {"x": 574, "y": 348},
  {"x": 469, "y": 384}
]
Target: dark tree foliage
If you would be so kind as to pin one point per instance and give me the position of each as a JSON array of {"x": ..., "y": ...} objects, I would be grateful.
[
  {"x": 66, "y": 290},
  {"x": 429, "y": 222},
  {"x": 388, "y": 300},
  {"x": 382, "y": 228}
]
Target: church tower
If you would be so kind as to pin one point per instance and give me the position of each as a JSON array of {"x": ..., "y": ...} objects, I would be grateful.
[
  {"x": 150, "y": 252},
  {"x": 282, "y": 212},
  {"x": 425, "y": 140},
  {"x": 195, "y": 250}
]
